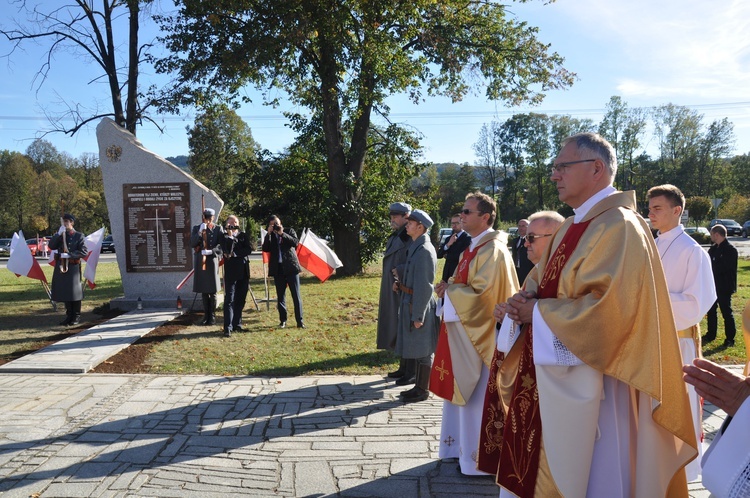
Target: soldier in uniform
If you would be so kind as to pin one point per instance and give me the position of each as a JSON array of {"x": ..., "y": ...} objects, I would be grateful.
[
  {"x": 236, "y": 248},
  {"x": 206, "y": 240},
  {"x": 66, "y": 279}
]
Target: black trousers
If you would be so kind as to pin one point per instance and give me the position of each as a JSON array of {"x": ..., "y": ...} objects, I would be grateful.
[
  {"x": 235, "y": 294},
  {"x": 281, "y": 282},
  {"x": 723, "y": 301},
  {"x": 72, "y": 308}
]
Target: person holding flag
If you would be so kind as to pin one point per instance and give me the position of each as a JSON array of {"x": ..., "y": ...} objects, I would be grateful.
[
  {"x": 66, "y": 279},
  {"x": 205, "y": 239}
]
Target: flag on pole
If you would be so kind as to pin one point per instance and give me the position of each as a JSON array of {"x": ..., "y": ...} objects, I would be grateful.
[
  {"x": 21, "y": 262},
  {"x": 316, "y": 257},
  {"x": 94, "y": 245},
  {"x": 266, "y": 255}
]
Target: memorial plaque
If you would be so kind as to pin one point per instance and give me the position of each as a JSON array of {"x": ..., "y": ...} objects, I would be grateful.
[{"x": 157, "y": 227}]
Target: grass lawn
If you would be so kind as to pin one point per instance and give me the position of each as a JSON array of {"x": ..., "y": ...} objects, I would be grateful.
[{"x": 340, "y": 315}]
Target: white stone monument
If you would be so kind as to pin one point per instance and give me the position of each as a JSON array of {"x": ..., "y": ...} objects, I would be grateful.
[{"x": 152, "y": 206}]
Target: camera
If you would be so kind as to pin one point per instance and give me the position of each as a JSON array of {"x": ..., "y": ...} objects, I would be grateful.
[
  {"x": 277, "y": 228},
  {"x": 232, "y": 227}
]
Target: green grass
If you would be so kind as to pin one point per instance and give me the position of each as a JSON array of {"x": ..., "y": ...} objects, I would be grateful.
[{"x": 340, "y": 315}]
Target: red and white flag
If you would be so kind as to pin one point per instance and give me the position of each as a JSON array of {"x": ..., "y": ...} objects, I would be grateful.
[
  {"x": 21, "y": 262},
  {"x": 94, "y": 245},
  {"x": 266, "y": 255},
  {"x": 316, "y": 257}
]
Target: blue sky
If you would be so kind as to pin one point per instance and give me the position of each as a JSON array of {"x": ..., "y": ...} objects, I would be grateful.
[{"x": 687, "y": 52}]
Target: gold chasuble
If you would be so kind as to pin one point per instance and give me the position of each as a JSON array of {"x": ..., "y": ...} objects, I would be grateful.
[
  {"x": 484, "y": 277},
  {"x": 611, "y": 309}
]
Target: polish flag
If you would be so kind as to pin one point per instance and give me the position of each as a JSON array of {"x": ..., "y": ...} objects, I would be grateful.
[
  {"x": 94, "y": 245},
  {"x": 316, "y": 257},
  {"x": 266, "y": 255},
  {"x": 21, "y": 262}
]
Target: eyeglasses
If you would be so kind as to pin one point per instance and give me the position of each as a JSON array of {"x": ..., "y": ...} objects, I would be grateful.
[
  {"x": 560, "y": 167},
  {"x": 469, "y": 211},
  {"x": 532, "y": 237}
]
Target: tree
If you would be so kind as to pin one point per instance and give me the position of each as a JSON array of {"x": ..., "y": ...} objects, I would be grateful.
[
  {"x": 623, "y": 127},
  {"x": 342, "y": 60},
  {"x": 698, "y": 207},
  {"x": 489, "y": 157},
  {"x": 16, "y": 188},
  {"x": 222, "y": 152},
  {"x": 89, "y": 33},
  {"x": 717, "y": 143}
]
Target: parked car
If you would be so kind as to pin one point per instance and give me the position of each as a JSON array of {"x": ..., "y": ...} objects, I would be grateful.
[
  {"x": 746, "y": 229},
  {"x": 35, "y": 246},
  {"x": 700, "y": 230},
  {"x": 444, "y": 234},
  {"x": 733, "y": 228},
  {"x": 5, "y": 247},
  {"x": 108, "y": 244}
]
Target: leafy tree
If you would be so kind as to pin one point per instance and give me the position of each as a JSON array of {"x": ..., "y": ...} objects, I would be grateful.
[
  {"x": 717, "y": 143},
  {"x": 342, "y": 60},
  {"x": 16, "y": 189},
  {"x": 489, "y": 156},
  {"x": 45, "y": 157},
  {"x": 222, "y": 152},
  {"x": 88, "y": 32},
  {"x": 454, "y": 182},
  {"x": 678, "y": 131},
  {"x": 741, "y": 174},
  {"x": 699, "y": 208},
  {"x": 623, "y": 127}
]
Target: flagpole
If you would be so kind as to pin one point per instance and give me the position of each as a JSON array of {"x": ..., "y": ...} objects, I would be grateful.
[{"x": 49, "y": 295}]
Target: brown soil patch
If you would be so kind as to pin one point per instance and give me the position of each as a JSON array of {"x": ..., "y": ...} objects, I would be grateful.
[{"x": 132, "y": 359}]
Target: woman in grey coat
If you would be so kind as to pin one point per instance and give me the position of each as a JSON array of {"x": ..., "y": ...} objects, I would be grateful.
[{"x": 418, "y": 325}]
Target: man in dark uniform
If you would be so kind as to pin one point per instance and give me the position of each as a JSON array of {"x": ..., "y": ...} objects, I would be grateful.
[
  {"x": 394, "y": 258},
  {"x": 520, "y": 255},
  {"x": 236, "y": 248},
  {"x": 453, "y": 247},
  {"x": 284, "y": 267},
  {"x": 724, "y": 265},
  {"x": 66, "y": 279},
  {"x": 206, "y": 240}
]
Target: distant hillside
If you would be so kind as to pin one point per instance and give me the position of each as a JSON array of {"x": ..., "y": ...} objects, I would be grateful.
[{"x": 181, "y": 162}]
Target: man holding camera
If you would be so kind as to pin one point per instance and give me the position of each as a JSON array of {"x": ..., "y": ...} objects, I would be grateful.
[
  {"x": 236, "y": 248},
  {"x": 284, "y": 267},
  {"x": 206, "y": 240}
]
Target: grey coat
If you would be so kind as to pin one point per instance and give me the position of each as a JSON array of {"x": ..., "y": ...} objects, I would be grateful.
[
  {"x": 67, "y": 286},
  {"x": 419, "y": 277},
  {"x": 393, "y": 257},
  {"x": 206, "y": 281}
]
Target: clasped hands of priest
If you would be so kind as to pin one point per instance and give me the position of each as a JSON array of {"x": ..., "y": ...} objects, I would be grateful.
[{"x": 519, "y": 308}]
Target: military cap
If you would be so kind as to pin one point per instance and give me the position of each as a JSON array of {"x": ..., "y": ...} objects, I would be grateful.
[
  {"x": 400, "y": 208},
  {"x": 422, "y": 217},
  {"x": 209, "y": 212},
  {"x": 68, "y": 216}
]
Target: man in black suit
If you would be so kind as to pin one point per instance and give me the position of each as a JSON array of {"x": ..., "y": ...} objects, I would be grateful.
[
  {"x": 724, "y": 265},
  {"x": 236, "y": 248},
  {"x": 453, "y": 247},
  {"x": 284, "y": 267},
  {"x": 520, "y": 256}
]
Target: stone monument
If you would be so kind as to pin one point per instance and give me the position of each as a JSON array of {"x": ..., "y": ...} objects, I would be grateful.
[{"x": 152, "y": 206}]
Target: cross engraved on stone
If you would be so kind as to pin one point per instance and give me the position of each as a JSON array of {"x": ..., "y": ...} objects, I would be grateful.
[{"x": 156, "y": 230}]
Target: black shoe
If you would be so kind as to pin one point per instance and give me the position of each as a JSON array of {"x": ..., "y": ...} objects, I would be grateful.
[
  {"x": 227, "y": 333},
  {"x": 395, "y": 375},
  {"x": 301, "y": 325},
  {"x": 282, "y": 325},
  {"x": 418, "y": 394},
  {"x": 238, "y": 328},
  {"x": 76, "y": 320},
  {"x": 729, "y": 343},
  {"x": 406, "y": 380},
  {"x": 407, "y": 392},
  {"x": 706, "y": 339},
  {"x": 67, "y": 320}
]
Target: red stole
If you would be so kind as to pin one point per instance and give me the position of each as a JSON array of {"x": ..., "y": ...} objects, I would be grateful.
[
  {"x": 522, "y": 434},
  {"x": 441, "y": 376}
]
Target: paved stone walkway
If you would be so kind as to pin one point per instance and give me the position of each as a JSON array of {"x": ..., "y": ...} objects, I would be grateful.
[{"x": 99, "y": 435}]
